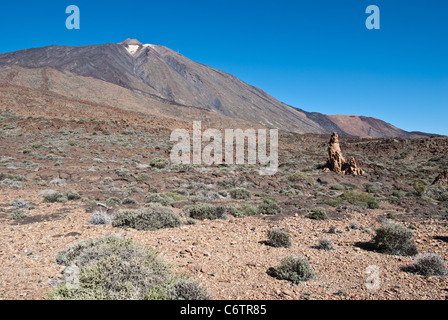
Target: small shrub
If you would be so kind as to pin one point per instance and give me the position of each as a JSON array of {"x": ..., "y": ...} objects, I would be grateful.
[
  {"x": 395, "y": 239},
  {"x": 17, "y": 215},
  {"x": 337, "y": 187},
  {"x": 157, "y": 198},
  {"x": 430, "y": 264},
  {"x": 129, "y": 201},
  {"x": 391, "y": 216},
  {"x": 58, "y": 182},
  {"x": 159, "y": 163},
  {"x": 100, "y": 218},
  {"x": 270, "y": 206},
  {"x": 143, "y": 177},
  {"x": 72, "y": 195},
  {"x": 293, "y": 269},
  {"x": 302, "y": 177},
  {"x": 181, "y": 168},
  {"x": 361, "y": 199},
  {"x": 239, "y": 193},
  {"x": 11, "y": 184},
  {"x": 114, "y": 268},
  {"x": 122, "y": 172},
  {"x": 21, "y": 204},
  {"x": 353, "y": 226},
  {"x": 438, "y": 193},
  {"x": 318, "y": 214},
  {"x": 202, "y": 211},
  {"x": 372, "y": 188},
  {"x": 279, "y": 238},
  {"x": 113, "y": 201},
  {"x": 187, "y": 289},
  {"x": 52, "y": 196},
  {"x": 175, "y": 197},
  {"x": 326, "y": 244},
  {"x": 419, "y": 186},
  {"x": 151, "y": 217},
  {"x": 244, "y": 210},
  {"x": 333, "y": 230}
]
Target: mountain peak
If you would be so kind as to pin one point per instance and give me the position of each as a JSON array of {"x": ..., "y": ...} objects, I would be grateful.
[
  {"x": 161, "y": 74},
  {"x": 133, "y": 46},
  {"x": 131, "y": 42}
]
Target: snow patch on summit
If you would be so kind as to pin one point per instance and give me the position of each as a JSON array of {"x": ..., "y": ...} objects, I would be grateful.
[{"x": 132, "y": 49}]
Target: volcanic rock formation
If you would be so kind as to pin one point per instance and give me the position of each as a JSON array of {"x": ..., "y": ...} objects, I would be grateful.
[{"x": 336, "y": 161}]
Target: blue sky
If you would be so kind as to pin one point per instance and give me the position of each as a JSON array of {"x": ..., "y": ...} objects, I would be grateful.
[{"x": 312, "y": 54}]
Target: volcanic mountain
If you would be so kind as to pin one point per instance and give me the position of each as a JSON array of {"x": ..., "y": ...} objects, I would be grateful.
[{"x": 159, "y": 80}]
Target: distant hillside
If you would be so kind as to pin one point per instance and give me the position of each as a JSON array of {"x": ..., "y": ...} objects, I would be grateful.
[{"x": 162, "y": 75}]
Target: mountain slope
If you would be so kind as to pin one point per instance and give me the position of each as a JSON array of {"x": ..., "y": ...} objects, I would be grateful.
[{"x": 162, "y": 74}]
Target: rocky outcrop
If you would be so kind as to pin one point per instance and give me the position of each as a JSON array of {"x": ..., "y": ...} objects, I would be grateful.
[
  {"x": 336, "y": 161},
  {"x": 442, "y": 179}
]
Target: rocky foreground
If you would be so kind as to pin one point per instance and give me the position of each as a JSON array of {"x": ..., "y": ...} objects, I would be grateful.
[{"x": 54, "y": 173}]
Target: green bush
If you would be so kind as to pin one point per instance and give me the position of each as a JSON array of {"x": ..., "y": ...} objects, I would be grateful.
[
  {"x": 151, "y": 217},
  {"x": 395, "y": 239},
  {"x": 129, "y": 200},
  {"x": 244, "y": 210},
  {"x": 53, "y": 196},
  {"x": 439, "y": 193},
  {"x": 301, "y": 177},
  {"x": 17, "y": 215},
  {"x": 318, "y": 214},
  {"x": 159, "y": 163},
  {"x": 293, "y": 269},
  {"x": 157, "y": 198},
  {"x": 113, "y": 201},
  {"x": 239, "y": 193},
  {"x": 72, "y": 195},
  {"x": 361, "y": 199},
  {"x": 279, "y": 238},
  {"x": 419, "y": 186},
  {"x": 165, "y": 199},
  {"x": 176, "y": 197},
  {"x": 114, "y": 268},
  {"x": 202, "y": 211},
  {"x": 270, "y": 206},
  {"x": 430, "y": 264}
]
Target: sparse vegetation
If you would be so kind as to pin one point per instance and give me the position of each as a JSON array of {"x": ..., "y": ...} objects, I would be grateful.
[
  {"x": 53, "y": 196},
  {"x": 364, "y": 200},
  {"x": 100, "y": 218},
  {"x": 113, "y": 201},
  {"x": 318, "y": 213},
  {"x": 17, "y": 215},
  {"x": 293, "y": 269},
  {"x": 279, "y": 238},
  {"x": 395, "y": 239},
  {"x": 114, "y": 268},
  {"x": 326, "y": 244},
  {"x": 159, "y": 163},
  {"x": 419, "y": 186},
  {"x": 270, "y": 206},
  {"x": 129, "y": 200},
  {"x": 151, "y": 217},
  {"x": 430, "y": 264},
  {"x": 113, "y": 173},
  {"x": 245, "y": 210},
  {"x": 202, "y": 211},
  {"x": 239, "y": 193}
]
